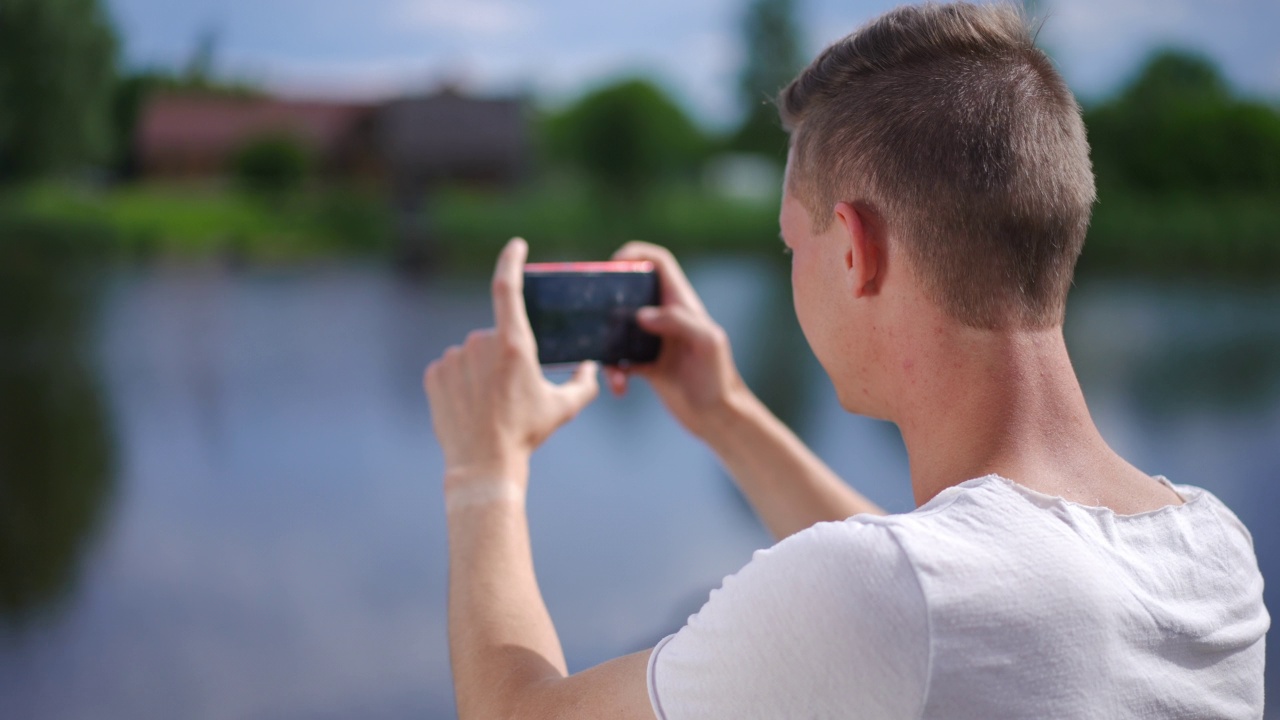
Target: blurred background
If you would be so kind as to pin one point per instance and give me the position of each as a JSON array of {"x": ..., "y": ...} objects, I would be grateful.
[{"x": 233, "y": 233}]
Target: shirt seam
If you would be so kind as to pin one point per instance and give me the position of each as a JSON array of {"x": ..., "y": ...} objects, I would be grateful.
[
  {"x": 651, "y": 679},
  {"x": 925, "y": 510},
  {"x": 928, "y": 624}
]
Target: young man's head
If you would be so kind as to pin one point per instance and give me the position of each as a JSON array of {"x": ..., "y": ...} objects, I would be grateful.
[{"x": 936, "y": 156}]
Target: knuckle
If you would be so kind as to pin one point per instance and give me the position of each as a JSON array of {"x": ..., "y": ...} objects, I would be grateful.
[
  {"x": 511, "y": 346},
  {"x": 502, "y": 285}
]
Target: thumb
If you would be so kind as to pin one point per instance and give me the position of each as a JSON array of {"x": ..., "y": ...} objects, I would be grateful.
[{"x": 580, "y": 389}]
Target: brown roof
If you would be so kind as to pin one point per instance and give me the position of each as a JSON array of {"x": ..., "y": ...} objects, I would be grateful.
[{"x": 219, "y": 125}]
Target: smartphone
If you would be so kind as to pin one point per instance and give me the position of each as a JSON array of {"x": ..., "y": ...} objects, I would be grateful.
[{"x": 587, "y": 311}]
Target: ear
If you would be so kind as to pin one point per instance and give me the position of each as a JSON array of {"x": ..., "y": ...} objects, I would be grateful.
[{"x": 864, "y": 253}]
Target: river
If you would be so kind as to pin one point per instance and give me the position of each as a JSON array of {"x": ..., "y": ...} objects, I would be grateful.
[{"x": 223, "y": 495}]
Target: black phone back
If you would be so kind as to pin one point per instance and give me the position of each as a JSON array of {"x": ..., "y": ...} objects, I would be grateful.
[{"x": 591, "y": 315}]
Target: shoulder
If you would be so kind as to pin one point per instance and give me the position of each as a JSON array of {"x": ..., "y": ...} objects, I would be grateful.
[
  {"x": 829, "y": 615},
  {"x": 863, "y": 550},
  {"x": 1197, "y": 498},
  {"x": 840, "y": 567}
]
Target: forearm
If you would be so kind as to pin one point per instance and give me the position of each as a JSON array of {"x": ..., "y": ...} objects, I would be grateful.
[
  {"x": 501, "y": 639},
  {"x": 789, "y": 487}
]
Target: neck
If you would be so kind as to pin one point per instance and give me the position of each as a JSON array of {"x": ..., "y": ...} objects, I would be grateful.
[{"x": 982, "y": 402}]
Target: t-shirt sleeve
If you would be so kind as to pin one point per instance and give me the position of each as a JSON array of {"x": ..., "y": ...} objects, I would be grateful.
[{"x": 830, "y": 622}]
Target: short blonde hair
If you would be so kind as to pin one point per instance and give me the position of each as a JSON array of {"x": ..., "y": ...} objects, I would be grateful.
[{"x": 958, "y": 131}]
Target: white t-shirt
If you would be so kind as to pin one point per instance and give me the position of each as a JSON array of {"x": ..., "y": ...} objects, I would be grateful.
[{"x": 989, "y": 601}]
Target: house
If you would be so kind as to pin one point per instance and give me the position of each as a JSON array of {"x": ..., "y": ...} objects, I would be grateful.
[
  {"x": 404, "y": 144},
  {"x": 450, "y": 137}
]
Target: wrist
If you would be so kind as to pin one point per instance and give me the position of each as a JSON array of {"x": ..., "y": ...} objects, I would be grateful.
[
  {"x": 481, "y": 495},
  {"x": 512, "y": 470}
]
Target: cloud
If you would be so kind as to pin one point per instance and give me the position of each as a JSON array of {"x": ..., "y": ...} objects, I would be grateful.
[{"x": 481, "y": 18}]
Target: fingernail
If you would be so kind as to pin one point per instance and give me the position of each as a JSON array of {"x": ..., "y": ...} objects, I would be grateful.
[{"x": 647, "y": 314}]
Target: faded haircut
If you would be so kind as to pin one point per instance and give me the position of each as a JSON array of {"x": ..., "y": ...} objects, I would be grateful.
[{"x": 948, "y": 123}]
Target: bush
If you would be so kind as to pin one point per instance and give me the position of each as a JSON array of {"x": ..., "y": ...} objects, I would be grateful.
[
  {"x": 351, "y": 222},
  {"x": 274, "y": 166},
  {"x": 564, "y": 222}
]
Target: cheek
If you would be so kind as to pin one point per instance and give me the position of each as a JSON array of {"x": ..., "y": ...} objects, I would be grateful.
[
  {"x": 811, "y": 294},
  {"x": 800, "y": 293}
]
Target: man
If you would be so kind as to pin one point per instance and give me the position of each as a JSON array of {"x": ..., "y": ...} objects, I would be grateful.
[{"x": 937, "y": 195}]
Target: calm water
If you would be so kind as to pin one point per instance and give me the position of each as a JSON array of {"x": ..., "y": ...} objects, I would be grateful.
[{"x": 219, "y": 493}]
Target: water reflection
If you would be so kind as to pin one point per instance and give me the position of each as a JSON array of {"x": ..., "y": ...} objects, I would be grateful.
[
  {"x": 55, "y": 447},
  {"x": 1177, "y": 350}
]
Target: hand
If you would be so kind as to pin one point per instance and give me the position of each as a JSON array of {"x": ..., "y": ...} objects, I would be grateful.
[
  {"x": 694, "y": 374},
  {"x": 490, "y": 403}
]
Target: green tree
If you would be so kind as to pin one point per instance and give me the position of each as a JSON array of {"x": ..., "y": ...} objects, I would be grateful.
[
  {"x": 1178, "y": 128},
  {"x": 771, "y": 37},
  {"x": 627, "y": 138},
  {"x": 1172, "y": 76},
  {"x": 57, "y": 67}
]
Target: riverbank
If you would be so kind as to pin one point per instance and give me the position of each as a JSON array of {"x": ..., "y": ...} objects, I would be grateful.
[{"x": 1225, "y": 236}]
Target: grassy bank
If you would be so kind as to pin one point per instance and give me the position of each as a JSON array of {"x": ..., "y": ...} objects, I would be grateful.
[
  {"x": 1228, "y": 236},
  {"x": 570, "y": 223},
  {"x": 143, "y": 222}
]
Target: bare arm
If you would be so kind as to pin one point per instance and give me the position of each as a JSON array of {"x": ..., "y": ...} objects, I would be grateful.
[
  {"x": 491, "y": 406},
  {"x": 506, "y": 656},
  {"x": 789, "y": 487},
  {"x": 787, "y": 484}
]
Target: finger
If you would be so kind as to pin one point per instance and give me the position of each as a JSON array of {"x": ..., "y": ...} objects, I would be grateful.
[
  {"x": 676, "y": 287},
  {"x": 617, "y": 379},
  {"x": 429, "y": 378},
  {"x": 580, "y": 389},
  {"x": 508, "y": 291},
  {"x": 672, "y": 321},
  {"x": 441, "y": 371},
  {"x": 477, "y": 338}
]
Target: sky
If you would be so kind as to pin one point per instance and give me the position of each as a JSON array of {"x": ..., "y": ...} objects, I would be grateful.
[{"x": 558, "y": 49}]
